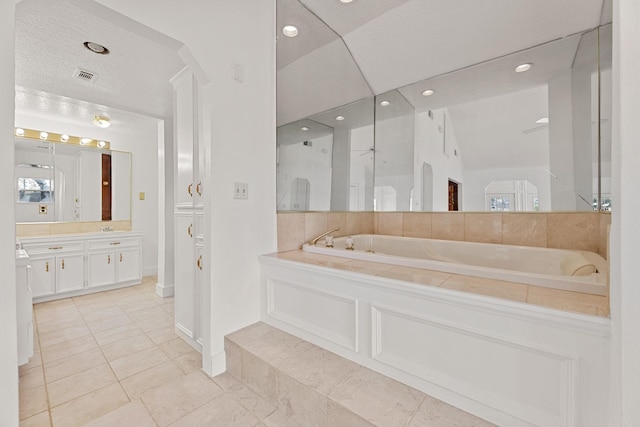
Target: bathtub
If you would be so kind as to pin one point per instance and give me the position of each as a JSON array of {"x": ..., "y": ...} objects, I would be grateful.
[{"x": 520, "y": 264}]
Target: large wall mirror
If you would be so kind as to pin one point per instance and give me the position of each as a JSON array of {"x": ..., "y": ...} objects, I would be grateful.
[
  {"x": 482, "y": 138},
  {"x": 65, "y": 182}
]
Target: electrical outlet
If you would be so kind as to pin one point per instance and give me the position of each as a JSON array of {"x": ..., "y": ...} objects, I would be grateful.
[{"x": 240, "y": 190}]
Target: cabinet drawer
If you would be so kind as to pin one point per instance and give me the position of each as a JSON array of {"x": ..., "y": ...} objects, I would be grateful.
[
  {"x": 52, "y": 248},
  {"x": 113, "y": 244}
]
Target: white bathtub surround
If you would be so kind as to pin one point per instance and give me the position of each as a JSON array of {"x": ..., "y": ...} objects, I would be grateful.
[
  {"x": 550, "y": 268},
  {"x": 505, "y": 361}
]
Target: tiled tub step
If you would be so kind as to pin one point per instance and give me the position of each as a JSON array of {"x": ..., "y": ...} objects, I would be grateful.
[{"x": 314, "y": 387}]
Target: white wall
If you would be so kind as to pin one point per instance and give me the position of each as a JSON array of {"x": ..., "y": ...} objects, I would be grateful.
[
  {"x": 8, "y": 347},
  {"x": 625, "y": 228},
  {"x": 446, "y": 165},
  {"x": 242, "y": 116},
  {"x": 361, "y": 169},
  {"x": 477, "y": 181}
]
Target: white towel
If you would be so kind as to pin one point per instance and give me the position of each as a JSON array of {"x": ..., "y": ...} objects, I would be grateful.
[{"x": 575, "y": 264}]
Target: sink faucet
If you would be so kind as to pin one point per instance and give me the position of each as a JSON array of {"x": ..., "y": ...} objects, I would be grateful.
[
  {"x": 315, "y": 239},
  {"x": 106, "y": 228}
]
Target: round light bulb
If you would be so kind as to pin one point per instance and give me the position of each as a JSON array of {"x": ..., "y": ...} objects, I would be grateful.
[
  {"x": 64, "y": 138},
  {"x": 85, "y": 141},
  {"x": 101, "y": 144},
  {"x": 44, "y": 135},
  {"x": 290, "y": 31},
  {"x": 339, "y": 118},
  {"x": 20, "y": 132},
  {"x": 428, "y": 92},
  {"x": 523, "y": 67}
]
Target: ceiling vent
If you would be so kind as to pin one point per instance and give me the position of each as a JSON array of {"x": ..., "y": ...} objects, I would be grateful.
[{"x": 85, "y": 75}]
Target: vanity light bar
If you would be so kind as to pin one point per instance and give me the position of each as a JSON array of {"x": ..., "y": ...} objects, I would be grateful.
[{"x": 62, "y": 138}]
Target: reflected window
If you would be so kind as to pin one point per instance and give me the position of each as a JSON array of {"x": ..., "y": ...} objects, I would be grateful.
[
  {"x": 499, "y": 203},
  {"x": 35, "y": 190}
]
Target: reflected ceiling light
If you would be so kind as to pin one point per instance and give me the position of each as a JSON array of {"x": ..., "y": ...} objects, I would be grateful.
[
  {"x": 290, "y": 31},
  {"x": 64, "y": 138},
  {"x": 102, "y": 121},
  {"x": 346, "y": 1},
  {"x": 428, "y": 92},
  {"x": 44, "y": 135},
  {"x": 523, "y": 67},
  {"x": 339, "y": 118},
  {"x": 96, "y": 48},
  {"x": 101, "y": 144},
  {"x": 20, "y": 132},
  {"x": 385, "y": 103},
  {"x": 304, "y": 128},
  {"x": 543, "y": 120},
  {"x": 85, "y": 141}
]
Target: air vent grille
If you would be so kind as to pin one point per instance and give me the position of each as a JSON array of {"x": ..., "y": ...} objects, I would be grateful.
[{"x": 85, "y": 75}]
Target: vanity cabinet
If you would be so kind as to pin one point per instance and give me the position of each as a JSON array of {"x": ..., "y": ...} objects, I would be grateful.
[
  {"x": 113, "y": 261},
  {"x": 77, "y": 264}
]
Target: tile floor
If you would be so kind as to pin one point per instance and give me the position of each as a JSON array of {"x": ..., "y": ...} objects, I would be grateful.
[
  {"x": 557, "y": 299},
  {"x": 113, "y": 359}
]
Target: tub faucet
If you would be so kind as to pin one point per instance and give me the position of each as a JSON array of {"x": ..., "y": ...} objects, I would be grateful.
[{"x": 315, "y": 240}]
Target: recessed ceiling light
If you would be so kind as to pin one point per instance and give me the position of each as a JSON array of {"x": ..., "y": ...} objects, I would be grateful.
[
  {"x": 523, "y": 67},
  {"x": 96, "y": 48},
  {"x": 339, "y": 118},
  {"x": 85, "y": 141},
  {"x": 304, "y": 128},
  {"x": 44, "y": 135},
  {"x": 20, "y": 132},
  {"x": 102, "y": 121},
  {"x": 101, "y": 144},
  {"x": 64, "y": 138},
  {"x": 543, "y": 120},
  {"x": 290, "y": 31},
  {"x": 428, "y": 92},
  {"x": 385, "y": 103},
  {"x": 346, "y": 1}
]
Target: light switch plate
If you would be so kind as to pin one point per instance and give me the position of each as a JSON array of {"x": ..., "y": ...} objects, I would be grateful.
[{"x": 240, "y": 190}]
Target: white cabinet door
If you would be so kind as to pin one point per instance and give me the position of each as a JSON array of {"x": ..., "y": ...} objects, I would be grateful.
[
  {"x": 43, "y": 276},
  {"x": 185, "y": 289},
  {"x": 128, "y": 265},
  {"x": 184, "y": 131},
  {"x": 102, "y": 269},
  {"x": 70, "y": 272}
]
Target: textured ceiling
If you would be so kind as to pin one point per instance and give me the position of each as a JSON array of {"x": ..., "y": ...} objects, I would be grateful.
[{"x": 49, "y": 48}]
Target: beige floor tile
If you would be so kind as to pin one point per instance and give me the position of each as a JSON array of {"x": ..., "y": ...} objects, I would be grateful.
[
  {"x": 102, "y": 314},
  {"x": 57, "y": 324},
  {"x": 223, "y": 411},
  {"x": 32, "y": 401},
  {"x": 233, "y": 356},
  {"x": 162, "y": 334},
  {"x": 126, "y": 347},
  {"x": 338, "y": 415},
  {"x": 300, "y": 402},
  {"x": 175, "y": 347},
  {"x": 132, "y": 414},
  {"x": 488, "y": 287},
  {"x": 146, "y": 313},
  {"x": 173, "y": 401},
  {"x": 79, "y": 384},
  {"x": 138, "y": 362},
  {"x": 34, "y": 361},
  {"x": 102, "y": 325},
  {"x": 376, "y": 398},
  {"x": 118, "y": 333},
  {"x": 89, "y": 407},
  {"x": 246, "y": 397},
  {"x": 57, "y": 337},
  {"x": 280, "y": 419},
  {"x": 260, "y": 377},
  {"x": 277, "y": 347},
  {"x": 569, "y": 301},
  {"x": 246, "y": 336},
  {"x": 68, "y": 348},
  {"x": 156, "y": 322},
  {"x": 434, "y": 412},
  {"x": 189, "y": 362},
  {"x": 136, "y": 385},
  {"x": 319, "y": 369},
  {"x": 43, "y": 419},
  {"x": 74, "y": 364},
  {"x": 32, "y": 377}
]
